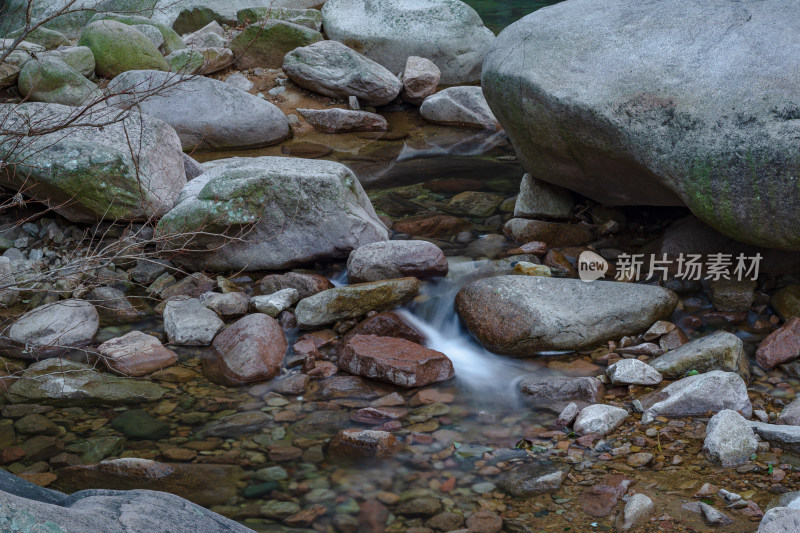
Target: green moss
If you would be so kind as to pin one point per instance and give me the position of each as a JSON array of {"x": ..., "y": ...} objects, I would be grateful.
[
  {"x": 172, "y": 41},
  {"x": 118, "y": 48}
]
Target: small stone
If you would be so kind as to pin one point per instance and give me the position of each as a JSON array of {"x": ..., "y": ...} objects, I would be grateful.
[
  {"x": 599, "y": 419},
  {"x": 567, "y": 416},
  {"x": 781, "y": 346},
  {"x": 189, "y": 322},
  {"x": 228, "y": 305},
  {"x": 633, "y": 372},
  {"x": 136, "y": 354},
  {"x": 639, "y": 459},
  {"x": 275, "y": 303},
  {"x": 729, "y": 440},
  {"x": 638, "y": 509},
  {"x": 139, "y": 424},
  {"x": 484, "y": 522}
]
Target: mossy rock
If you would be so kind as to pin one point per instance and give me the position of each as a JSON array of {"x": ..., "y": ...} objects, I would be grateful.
[
  {"x": 310, "y": 18},
  {"x": 51, "y": 80},
  {"x": 266, "y": 44},
  {"x": 50, "y": 39},
  {"x": 80, "y": 58},
  {"x": 185, "y": 61},
  {"x": 118, "y": 48},
  {"x": 172, "y": 41}
]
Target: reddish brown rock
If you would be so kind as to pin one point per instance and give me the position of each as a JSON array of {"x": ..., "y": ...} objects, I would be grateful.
[
  {"x": 203, "y": 484},
  {"x": 537, "y": 248},
  {"x": 484, "y": 522},
  {"x": 136, "y": 354},
  {"x": 432, "y": 225},
  {"x": 396, "y": 361},
  {"x": 363, "y": 443},
  {"x": 378, "y": 415},
  {"x": 306, "y": 284},
  {"x": 387, "y": 324},
  {"x": 599, "y": 500},
  {"x": 192, "y": 286},
  {"x": 250, "y": 350},
  {"x": 780, "y": 346},
  {"x": 372, "y": 516},
  {"x": 555, "y": 234}
]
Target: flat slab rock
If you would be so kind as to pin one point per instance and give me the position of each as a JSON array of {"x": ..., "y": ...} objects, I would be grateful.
[
  {"x": 546, "y": 390},
  {"x": 397, "y": 361},
  {"x": 42, "y": 509},
  {"x": 525, "y": 315}
]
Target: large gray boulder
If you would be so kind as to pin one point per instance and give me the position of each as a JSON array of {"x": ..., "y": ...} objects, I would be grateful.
[
  {"x": 448, "y": 32},
  {"x": 780, "y": 520},
  {"x": 27, "y": 507},
  {"x": 271, "y": 213},
  {"x": 333, "y": 69},
  {"x": 207, "y": 114},
  {"x": 525, "y": 315},
  {"x": 54, "y": 328},
  {"x": 132, "y": 169},
  {"x": 624, "y": 108}
]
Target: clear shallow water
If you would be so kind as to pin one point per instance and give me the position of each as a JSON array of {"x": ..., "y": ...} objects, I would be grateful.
[{"x": 497, "y": 14}]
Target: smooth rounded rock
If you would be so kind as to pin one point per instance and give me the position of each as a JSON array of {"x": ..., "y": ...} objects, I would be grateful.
[
  {"x": 525, "y": 315},
  {"x": 599, "y": 419},
  {"x": 729, "y": 439},
  {"x": 251, "y": 349},
  {"x": 396, "y": 259},
  {"x": 54, "y": 328},
  {"x": 118, "y": 48}
]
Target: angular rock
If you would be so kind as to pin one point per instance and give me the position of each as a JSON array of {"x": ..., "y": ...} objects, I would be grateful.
[
  {"x": 420, "y": 78},
  {"x": 781, "y": 436},
  {"x": 599, "y": 419},
  {"x": 250, "y": 350},
  {"x": 118, "y": 48},
  {"x": 393, "y": 360},
  {"x": 64, "y": 382},
  {"x": 462, "y": 106},
  {"x": 729, "y": 440},
  {"x": 54, "y": 328},
  {"x": 275, "y": 303},
  {"x": 532, "y": 480},
  {"x": 732, "y": 295},
  {"x": 214, "y": 59},
  {"x": 781, "y": 346},
  {"x": 227, "y": 305},
  {"x": 638, "y": 509},
  {"x": 791, "y": 414},
  {"x": 387, "y": 324},
  {"x": 114, "y": 182},
  {"x": 352, "y": 301},
  {"x": 185, "y": 61},
  {"x": 305, "y": 284},
  {"x": 448, "y": 32},
  {"x": 52, "y": 81},
  {"x": 525, "y": 315},
  {"x": 552, "y": 79},
  {"x": 332, "y": 69},
  {"x": 343, "y": 120},
  {"x": 545, "y": 390},
  {"x": 633, "y": 372},
  {"x": 264, "y": 44},
  {"x": 189, "y": 322},
  {"x": 203, "y": 484},
  {"x": 696, "y": 395},
  {"x": 136, "y": 354},
  {"x": 540, "y": 199},
  {"x": 718, "y": 351},
  {"x": 395, "y": 259},
  {"x": 600, "y": 499},
  {"x": 207, "y": 114},
  {"x": 289, "y": 211}
]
